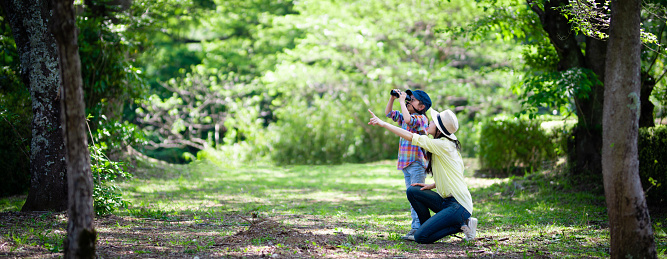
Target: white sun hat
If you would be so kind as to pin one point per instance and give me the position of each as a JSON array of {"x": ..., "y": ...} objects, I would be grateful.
[{"x": 446, "y": 122}]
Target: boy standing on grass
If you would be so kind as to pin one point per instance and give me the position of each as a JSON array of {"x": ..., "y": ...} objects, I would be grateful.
[{"x": 411, "y": 158}]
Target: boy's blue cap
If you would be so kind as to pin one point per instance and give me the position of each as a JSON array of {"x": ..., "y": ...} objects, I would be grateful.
[{"x": 421, "y": 96}]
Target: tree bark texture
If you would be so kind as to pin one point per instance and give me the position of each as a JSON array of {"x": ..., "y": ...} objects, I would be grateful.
[
  {"x": 629, "y": 221},
  {"x": 37, "y": 49},
  {"x": 587, "y": 158},
  {"x": 81, "y": 235}
]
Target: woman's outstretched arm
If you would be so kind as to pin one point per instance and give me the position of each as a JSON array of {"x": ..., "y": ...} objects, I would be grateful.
[{"x": 396, "y": 130}]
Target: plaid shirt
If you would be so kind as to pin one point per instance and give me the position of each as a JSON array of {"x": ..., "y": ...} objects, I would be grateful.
[{"x": 408, "y": 153}]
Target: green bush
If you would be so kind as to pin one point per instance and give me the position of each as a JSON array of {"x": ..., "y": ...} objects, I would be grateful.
[
  {"x": 468, "y": 135},
  {"x": 652, "y": 165},
  {"x": 509, "y": 143},
  {"x": 108, "y": 141},
  {"x": 106, "y": 195}
]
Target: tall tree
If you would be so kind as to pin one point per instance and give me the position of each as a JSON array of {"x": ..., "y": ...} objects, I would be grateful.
[
  {"x": 629, "y": 221},
  {"x": 39, "y": 71},
  {"x": 572, "y": 71},
  {"x": 588, "y": 134},
  {"x": 81, "y": 235}
]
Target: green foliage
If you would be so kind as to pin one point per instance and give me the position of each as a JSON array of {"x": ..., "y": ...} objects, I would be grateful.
[
  {"x": 247, "y": 43},
  {"x": 348, "y": 61},
  {"x": 510, "y": 143},
  {"x": 203, "y": 106},
  {"x": 109, "y": 78},
  {"x": 293, "y": 80},
  {"x": 502, "y": 20},
  {"x": 513, "y": 21},
  {"x": 201, "y": 75},
  {"x": 469, "y": 135},
  {"x": 591, "y": 18},
  {"x": 327, "y": 132},
  {"x": 170, "y": 36},
  {"x": 541, "y": 55},
  {"x": 110, "y": 136},
  {"x": 106, "y": 195},
  {"x": 114, "y": 136},
  {"x": 652, "y": 166},
  {"x": 556, "y": 90},
  {"x": 653, "y": 58}
]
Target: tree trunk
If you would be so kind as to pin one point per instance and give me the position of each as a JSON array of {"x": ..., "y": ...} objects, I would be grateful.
[
  {"x": 39, "y": 70},
  {"x": 629, "y": 221},
  {"x": 81, "y": 235}
]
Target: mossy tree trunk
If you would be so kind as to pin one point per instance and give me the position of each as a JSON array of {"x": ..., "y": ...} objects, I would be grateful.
[
  {"x": 629, "y": 221},
  {"x": 81, "y": 235},
  {"x": 39, "y": 71}
]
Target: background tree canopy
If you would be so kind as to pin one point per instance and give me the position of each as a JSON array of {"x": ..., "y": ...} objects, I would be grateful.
[{"x": 294, "y": 81}]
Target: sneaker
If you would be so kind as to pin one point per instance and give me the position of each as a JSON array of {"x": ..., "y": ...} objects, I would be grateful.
[
  {"x": 410, "y": 235},
  {"x": 470, "y": 229}
]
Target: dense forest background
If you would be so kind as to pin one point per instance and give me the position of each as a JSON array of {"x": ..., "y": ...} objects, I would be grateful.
[{"x": 290, "y": 82}]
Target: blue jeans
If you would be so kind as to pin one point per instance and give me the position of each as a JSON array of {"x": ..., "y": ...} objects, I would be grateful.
[
  {"x": 448, "y": 219},
  {"x": 414, "y": 173}
]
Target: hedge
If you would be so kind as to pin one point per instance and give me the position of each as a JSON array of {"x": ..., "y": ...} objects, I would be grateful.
[
  {"x": 652, "y": 147},
  {"x": 509, "y": 143}
]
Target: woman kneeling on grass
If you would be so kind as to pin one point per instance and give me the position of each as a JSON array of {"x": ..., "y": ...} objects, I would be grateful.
[{"x": 452, "y": 202}]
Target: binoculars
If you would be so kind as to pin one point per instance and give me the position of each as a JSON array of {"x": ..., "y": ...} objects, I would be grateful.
[{"x": 396, "y": 94}]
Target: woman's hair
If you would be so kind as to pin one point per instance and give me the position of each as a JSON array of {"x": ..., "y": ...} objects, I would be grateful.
[{"x": 429, "y": 155}]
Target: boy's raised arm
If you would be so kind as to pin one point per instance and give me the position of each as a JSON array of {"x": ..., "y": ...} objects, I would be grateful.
[
  {"x": 404, "y": 109},
  {"x": 390, "y": 105}
]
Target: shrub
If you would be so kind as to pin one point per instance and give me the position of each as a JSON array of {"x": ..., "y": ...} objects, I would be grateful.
[
  {"x": 109, "y": 139},
  {"x": 509, "y": 143},
  {"x": 106, "y": 196},
  {"x": 468, "y": 135},
  {"x": 652, "y": 166}
]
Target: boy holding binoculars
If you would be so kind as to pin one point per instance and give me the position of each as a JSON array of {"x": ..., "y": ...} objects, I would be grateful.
[{"x": 411, "y": 158}]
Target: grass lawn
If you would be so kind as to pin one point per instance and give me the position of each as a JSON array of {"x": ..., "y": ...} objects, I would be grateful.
[{"x": 208, "y": 210}]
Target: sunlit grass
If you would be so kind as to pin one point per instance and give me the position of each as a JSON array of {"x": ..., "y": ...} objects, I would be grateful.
[
  {"x": 349, "y": 189},
  {"x": 13, "y": 203}
]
